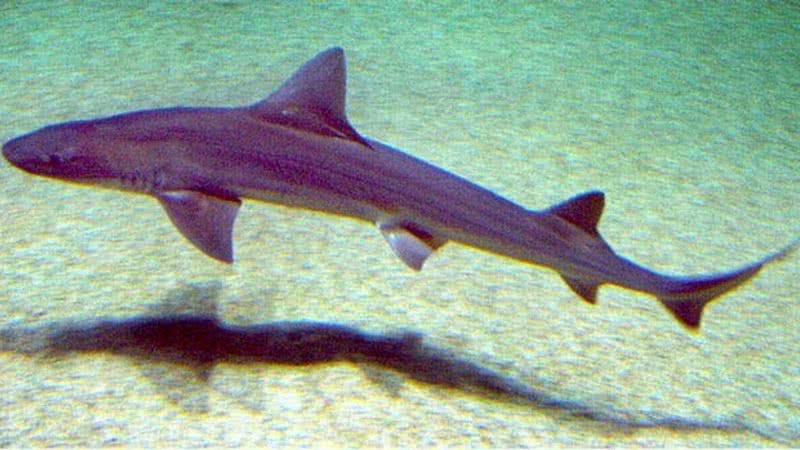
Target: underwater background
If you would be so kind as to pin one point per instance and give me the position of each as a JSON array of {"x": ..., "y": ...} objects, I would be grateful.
[{"x": 684, "y": 113}]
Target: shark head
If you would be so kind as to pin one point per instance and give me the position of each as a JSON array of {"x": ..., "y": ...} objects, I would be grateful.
[{"x": 65, "y": 151}]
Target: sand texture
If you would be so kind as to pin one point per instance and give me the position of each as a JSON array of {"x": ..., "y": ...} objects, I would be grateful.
[{"x": 114, "y": 330}]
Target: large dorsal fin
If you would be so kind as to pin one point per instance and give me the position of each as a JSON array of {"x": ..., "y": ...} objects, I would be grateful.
[
  {"x": 313, "y": 99},
  {"x": 583, "y": 211}
]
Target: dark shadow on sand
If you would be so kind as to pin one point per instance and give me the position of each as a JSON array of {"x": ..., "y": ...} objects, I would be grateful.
[{"x": 199, "y": 340}]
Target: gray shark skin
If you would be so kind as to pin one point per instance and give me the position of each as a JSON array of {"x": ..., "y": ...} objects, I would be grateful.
[{"x": 297, "y": 148}]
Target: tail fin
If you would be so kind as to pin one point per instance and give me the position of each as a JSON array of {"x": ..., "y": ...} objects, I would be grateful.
[{"x": 686, "y": 297}]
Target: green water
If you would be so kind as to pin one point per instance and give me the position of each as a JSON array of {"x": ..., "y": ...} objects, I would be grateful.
[{"x": 685, "y": 115}]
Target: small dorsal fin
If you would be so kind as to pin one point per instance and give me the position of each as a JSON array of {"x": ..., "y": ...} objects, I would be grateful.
[
  {"x": 313, "y": 99},
  {"x": 583, "y": 211}
]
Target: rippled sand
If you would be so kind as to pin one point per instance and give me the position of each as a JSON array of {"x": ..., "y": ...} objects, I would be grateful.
[{"x": 685, "y": 117}]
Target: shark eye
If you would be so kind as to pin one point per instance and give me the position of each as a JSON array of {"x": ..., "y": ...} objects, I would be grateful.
[{"x": 61, "y": 157}]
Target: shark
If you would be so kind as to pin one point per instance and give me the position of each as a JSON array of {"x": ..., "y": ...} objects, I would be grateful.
[{"x": 297, "y": 148}]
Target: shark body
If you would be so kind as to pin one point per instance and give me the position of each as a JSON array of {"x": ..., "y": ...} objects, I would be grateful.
[{"x": 297, "y": 148}]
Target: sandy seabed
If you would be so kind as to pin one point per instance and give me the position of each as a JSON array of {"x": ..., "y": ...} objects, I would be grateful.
[{"x": 687, "y": 121}]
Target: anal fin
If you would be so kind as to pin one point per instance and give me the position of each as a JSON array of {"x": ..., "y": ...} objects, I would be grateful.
[{"x": 585, "y": 289}]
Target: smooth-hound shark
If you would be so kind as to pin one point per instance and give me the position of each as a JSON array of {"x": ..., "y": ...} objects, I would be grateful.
[{"x": 297, "y": 148}]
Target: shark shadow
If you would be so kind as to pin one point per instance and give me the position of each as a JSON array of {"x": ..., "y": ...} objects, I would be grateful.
[{"x": 197, "y": 341}]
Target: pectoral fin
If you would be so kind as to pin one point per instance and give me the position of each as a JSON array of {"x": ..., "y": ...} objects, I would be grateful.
[
  {"x": 410, "y": 242},
  {"x": 205, "y": 220}
]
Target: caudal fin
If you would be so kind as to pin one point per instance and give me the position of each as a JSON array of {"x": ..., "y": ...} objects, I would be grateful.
[{"x": 686, "y": 297}]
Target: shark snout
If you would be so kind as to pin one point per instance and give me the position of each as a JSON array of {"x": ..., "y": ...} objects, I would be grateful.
[
  {"x": 26, "y": 153},
  {"x": 12, "y": 152},
  {"x": 53, "y": 152}
]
